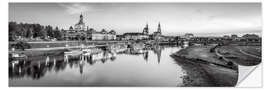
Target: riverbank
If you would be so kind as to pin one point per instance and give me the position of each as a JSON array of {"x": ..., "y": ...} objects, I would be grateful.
[
  {"x": 204, "y": 75},
  {"x": 38, "y": 53},
  {"x": 210, "y": 70},
  {"x": 56, "y": 44},
  {"x": 202, "y": 54},
  {"x": 242, "y": 55}
]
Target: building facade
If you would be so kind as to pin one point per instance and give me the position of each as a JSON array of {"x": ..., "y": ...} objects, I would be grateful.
[
  {"x": 135, "y": 36},
  {"x": 188, "y": 35},
  {"x": 103, "y": 35},
  {"x": 79, "y": 32}
]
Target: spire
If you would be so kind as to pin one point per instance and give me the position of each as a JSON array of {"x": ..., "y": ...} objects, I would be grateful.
[
  {"x": 81, "y": 19},
  {"x": 81, "y": 15},
  {"x": 159, "y": 28}
]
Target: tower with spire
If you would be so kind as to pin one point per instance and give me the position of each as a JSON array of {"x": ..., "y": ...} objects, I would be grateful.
[
  {"x": 146, "y": 30},
  {"x": 81, "y": 19},
  {"x": 158, "y": 32},
  {"x": 159, "y": 28},
  {"x": 157, "y": 35},
  {"x": 80, "y": 25}
]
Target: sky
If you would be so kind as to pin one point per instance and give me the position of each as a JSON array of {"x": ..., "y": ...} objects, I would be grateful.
[{"x": 175, "y": 18}]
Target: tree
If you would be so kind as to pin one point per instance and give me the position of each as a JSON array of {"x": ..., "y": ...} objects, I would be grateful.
[
  {"x": 21, "y": 45},
  {"x": 49, "y": 31},
  {"x": 103, "y": 31},
  {"x": 29, "y": 33},
  {"x": 27, "y": 30},
  {"x": 12, "y": 28},
  {"x": 112, "y": 32},
  {"x": 37, "y": 30},
  {"x": 57, "y": 34},
  {"x": 56, "y": 28}
]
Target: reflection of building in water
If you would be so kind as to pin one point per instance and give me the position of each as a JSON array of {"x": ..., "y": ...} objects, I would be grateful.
[
  {"x": 145, "y": 56},
  {"x": 35, "y": 68},
  {"x": 144, "y": 51},
  {"x": 103, "y": 56},
  {"x": 81, "y": 66},
  {"x": 157, "y": 50}
]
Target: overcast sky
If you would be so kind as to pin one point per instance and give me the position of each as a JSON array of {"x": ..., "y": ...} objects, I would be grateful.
[{"x": 175, "y": 18}]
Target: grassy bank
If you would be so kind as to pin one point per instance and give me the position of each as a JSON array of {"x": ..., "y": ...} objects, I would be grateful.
[
  {"x": 203, "y": 54},
  {"x": 202, "y": 74},
  {"x": 217, "y": 68},
  {"x": 242, "y": 55}
]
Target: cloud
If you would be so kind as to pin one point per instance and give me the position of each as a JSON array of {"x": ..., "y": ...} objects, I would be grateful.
[{"x": 76, "y": 8}]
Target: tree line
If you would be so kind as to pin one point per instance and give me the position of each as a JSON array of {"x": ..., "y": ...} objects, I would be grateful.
[{"x": 26, "y": 30}]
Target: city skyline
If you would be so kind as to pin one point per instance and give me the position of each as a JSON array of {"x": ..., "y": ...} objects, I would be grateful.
[
  {"x": 133, "y": 44},
  {"x": 197, "y": 18}
]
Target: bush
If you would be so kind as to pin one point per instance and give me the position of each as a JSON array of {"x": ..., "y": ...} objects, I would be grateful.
[
  {"x": 230, "y": 63},
  {"x": 213, "y": 49},
  {"x": 21, "y": 45},
  {"x": 220, "y": 58}
]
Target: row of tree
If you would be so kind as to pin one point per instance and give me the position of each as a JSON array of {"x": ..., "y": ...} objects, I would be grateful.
[{"x": 26, "y": 30}]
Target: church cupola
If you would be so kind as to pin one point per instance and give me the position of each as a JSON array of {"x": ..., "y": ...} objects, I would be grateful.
[{"x": 146, "y": 30}]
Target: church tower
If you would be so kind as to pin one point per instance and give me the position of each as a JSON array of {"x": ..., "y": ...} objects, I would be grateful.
[
  {"x": 146, "y": 30},
  {"x": 159, "y": 28},
  {"x": 81, "y": 19},
  {"x": 80, "y": 25}
]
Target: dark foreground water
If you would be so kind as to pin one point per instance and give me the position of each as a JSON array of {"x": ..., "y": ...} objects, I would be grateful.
[{"x": 150, "y": 67}]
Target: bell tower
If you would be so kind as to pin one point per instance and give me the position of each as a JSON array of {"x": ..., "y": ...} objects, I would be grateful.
[{"x": 159, "y": 28}]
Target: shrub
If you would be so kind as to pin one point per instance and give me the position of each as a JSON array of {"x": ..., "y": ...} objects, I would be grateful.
[
  {"x": 220, "y": 58},
  {"x": 21, "y": 45},
  {"x": 230, "y": 63}
]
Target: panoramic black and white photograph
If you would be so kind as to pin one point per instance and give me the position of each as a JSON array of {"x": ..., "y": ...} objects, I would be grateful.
[{"x": 112, "y": 44}]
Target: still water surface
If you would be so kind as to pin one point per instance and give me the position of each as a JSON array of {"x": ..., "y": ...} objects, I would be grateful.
[{"x": 153, "y": 67}]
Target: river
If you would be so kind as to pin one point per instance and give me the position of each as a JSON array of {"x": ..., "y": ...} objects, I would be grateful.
[{"x": 151, "y": 67}]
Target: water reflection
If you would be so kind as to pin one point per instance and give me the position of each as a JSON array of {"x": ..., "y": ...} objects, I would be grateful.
[
  {"x": 130, "y": 65},
  {"x": 36, "y": 68}
]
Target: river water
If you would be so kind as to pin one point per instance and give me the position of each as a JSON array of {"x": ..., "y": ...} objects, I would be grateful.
[
  {"x": 134, "y": 66},
  {"x": 152, "y": 67}
]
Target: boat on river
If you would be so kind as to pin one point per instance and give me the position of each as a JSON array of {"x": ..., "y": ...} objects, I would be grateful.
[
  {"x": 73, "y": 52},
  {"x": 18, "y": 56}
]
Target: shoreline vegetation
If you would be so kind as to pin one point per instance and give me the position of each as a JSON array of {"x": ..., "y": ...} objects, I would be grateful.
[
  {"x": 218, "y": 68},
  {"x": 204, "y": 75},
  {"x": 241, "y": 55},
  {"x": 202, "y": 54}
]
